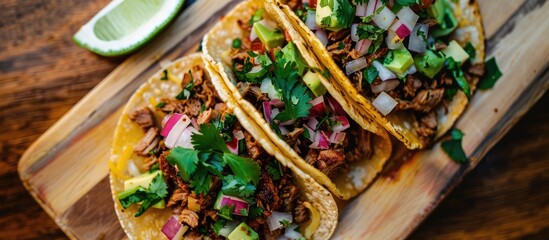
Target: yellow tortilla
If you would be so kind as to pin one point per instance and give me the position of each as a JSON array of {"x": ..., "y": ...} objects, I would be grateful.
[
  {"x": 127, "y": 134},
  {"x": 399, "y": 124},
  {"x": 362, "y": 172}
]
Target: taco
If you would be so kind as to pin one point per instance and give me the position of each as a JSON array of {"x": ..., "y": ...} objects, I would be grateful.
[
  {"x": 184, "y": 166},
  {"x": 285, "y": 90},
  {"x": 410, "y": 65}
]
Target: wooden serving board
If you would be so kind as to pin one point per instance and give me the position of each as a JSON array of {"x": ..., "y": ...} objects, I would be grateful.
[{"x": 66, "y": 169}]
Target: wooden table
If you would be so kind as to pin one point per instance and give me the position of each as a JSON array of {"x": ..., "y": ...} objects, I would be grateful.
[{"x": 43, "y": 74}]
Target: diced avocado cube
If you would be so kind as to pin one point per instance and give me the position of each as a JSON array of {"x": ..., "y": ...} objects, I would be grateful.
[
  {"x": 257, "y": 16},
  {"x": 291, "y": 54},
  {"x": 402, "y": 60},
  {"x": 243, "y": 232},
  {"x": 143, "y": 180},
  {"x": 270, "y": 38},
  {"x": 455, "y": 51},
  {"x": 436, "y": 10},
  {"x": 313, "y": 82},
  {"x": 430, "y": 63},
  {"x": 326, "y": 18},
  {"x": 447, "y": 25},
  {"x": 160, "y": 205}
]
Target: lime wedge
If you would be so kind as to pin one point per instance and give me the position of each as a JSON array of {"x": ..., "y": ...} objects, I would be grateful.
[{"x": 125, "y": 25}]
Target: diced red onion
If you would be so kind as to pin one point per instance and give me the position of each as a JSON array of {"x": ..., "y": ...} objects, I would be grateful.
[
  {"x": 313, "y": 123},
  {"x": 277, "y": 103},
  {"x": 232, "y": 201},
  {"x": 277, "y": 218},
  {"x": 408, "y": 17},
  {"x": 335, "y": 106},
  {"x": 239, "y": 135},
  {"x": 274, "y": 112},
  {"x": 169, "y": 123},
  {"x": 384, "y": 73},
  {"x": 176, "y": 131},
  {"x": 354, "y": 34},
  {"x": 322, "y": 141},
  {"x": 418, "y": 43},
  {"x": 384, "y": 18},
  {"x": 195, "y": 124},
  {"x": 401, "y": 30},
  {"x": 283, "y": 130},
  {"x": 393, "y": 41},
  {"x": 173, "y": 230},
  {"x": 291, "y": 232},
  {"x": 337, "y": 137},
  {"x": 355, "y": 65},
  {"x": 362, "y": 46},
  {"x": 372, "y": 7},
  {"x": 268, "y": 88},
  {"x": 385, "y": 86},
  {"x": 361, "y": 10},
  {"x": 322, "y": 36},
  {"x": 312, "y": 133},
  {"x": 342, "y": 123},
  {"x": 286, "y": 123},
  {"x": 267, "y": 111},
  {"x": 384, "y": 103},
  {"x": 318, "y": 107},
  {"x": 311, "y": 20},
  {"x": 184, "y": 139},
  {"x": 233, "y": 146}
]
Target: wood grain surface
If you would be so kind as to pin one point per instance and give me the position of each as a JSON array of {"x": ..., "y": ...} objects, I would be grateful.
[{"x": 43, "y": 74}]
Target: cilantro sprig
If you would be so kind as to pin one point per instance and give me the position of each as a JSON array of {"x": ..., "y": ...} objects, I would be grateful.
[
  {"x": 156, "y": 191},
  {"x": 453, "y": 147},
  {"x": 459, "y": 76}
]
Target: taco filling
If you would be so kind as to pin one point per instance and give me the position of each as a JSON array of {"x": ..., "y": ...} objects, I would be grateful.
[
  {"x": 218, "y": 180},
  {"x": 398, "y": 54},
  {"x": 272, "y": 75}
]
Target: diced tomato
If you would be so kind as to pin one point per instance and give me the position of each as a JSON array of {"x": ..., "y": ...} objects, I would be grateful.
[
  {"x": 258, "y": 46},
  {"x": 312, "y": 3},
  {"x": 287, "y": 36}
]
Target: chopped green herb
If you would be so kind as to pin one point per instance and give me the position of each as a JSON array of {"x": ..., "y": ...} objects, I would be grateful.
[
  {"x": 470, "y": 50},
  {"x": 285, "y": 223},
  {"x": 234, "y": 186},
  {"x": 341, "y": 45},
  {"x": 160, "y": 105},
  {"x": 345, "y": 13},
  {"x": 368, "y": 19},
  {"x": 453, "y": 146},
  {"x": 226, "y": 212},
  {"x": 389, "y": 58},
  {"x": 455, "y": 68},
  {"x": 243, "y": 212},
  {"x": 156, "y": 191},
  {"x": 187, "y": 90},
  {"x": 370, "y": 74},
  {"x": 491, "y": 76},
  {"x": 164, "y": 75},
  {"x": 274, "y": 170},
  {"x": 218, "y": 225},
  {"x": 326, "y": 21},
  {"x": 237, "y": 43},
  {"x": 255, "y": 211},
  {"x": 373, "y": 33}
]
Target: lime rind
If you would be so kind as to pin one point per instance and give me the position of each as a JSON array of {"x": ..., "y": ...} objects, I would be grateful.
[{"x": 86, "y": 37}]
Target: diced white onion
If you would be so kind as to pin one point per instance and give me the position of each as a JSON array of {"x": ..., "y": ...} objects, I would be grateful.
[
  {"x": 384, "y": 103},
  {"x": 291, "y": 233},
  {"x": 373, "y": 5},
  {"x": 239, "y": 135},
  {"x": 384, "y": 73},
  {"x": 418, "y": 43},
  {"x": 268, "y": 88},
  {"x": 134, "y": 171},
  {"x": 311, "y": 20},
  {"x": 253, "y": 35},
  {"x": 361, "y": 10},
  {"x": 408, "y": 17},
  {"x": 322, "y": 36},
  {"x": 176, "y": 131},
  {"x": 411, "y": 70},
  {"x": 283, "y": 130},
  {"x": 355, "y": 65},
  {"x": 228, "y": 228},
  {"x": 354, "y": 34},
  {"x": 276, "y": 219},
  {"x": 385, "y": 18}
]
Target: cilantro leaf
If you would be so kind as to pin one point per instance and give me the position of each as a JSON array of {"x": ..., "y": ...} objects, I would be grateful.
[
  {"x": 294, "y": 92},
  {"x": 226, "y": 212},
  {"x": 160, "y": 105},
  {"x": 209, "y": 138},
  {"x": 345, "y": 13},
  {"x": 156, "y": 191},
  {"x": 241, "y": 74},
  {"x": 244, "y": 168},
  {"x": 255, "y": 211},
  {"x": 285, "y": 223},
  {"x": 185, "y": 159},
  {"x": 373, "y": 33},
  {"x": 234, "y": 186},
  {"x": 455, "y": 68},
  {"x": 470, "y": 50},
  {"x": 158, "y": 186},
  {"x": 407, "y": 2},
  {"x": 370, "y": 74},
  {"x": 453, "y": 146},
  {"x": 187, "y": 90},
  {"x": 164, "y": 76},
  {"x": 136, "y": 197},
  {"x": 200, "y": 182},
  {"x": 492, "y": 75},
  {"x": 218, "y": 225}
]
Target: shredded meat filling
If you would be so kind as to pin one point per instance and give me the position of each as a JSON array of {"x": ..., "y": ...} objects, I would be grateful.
[{"x": 143, "y": 117}]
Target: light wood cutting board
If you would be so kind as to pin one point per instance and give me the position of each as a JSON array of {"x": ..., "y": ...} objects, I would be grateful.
[{"x": 66, "y": 169}]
